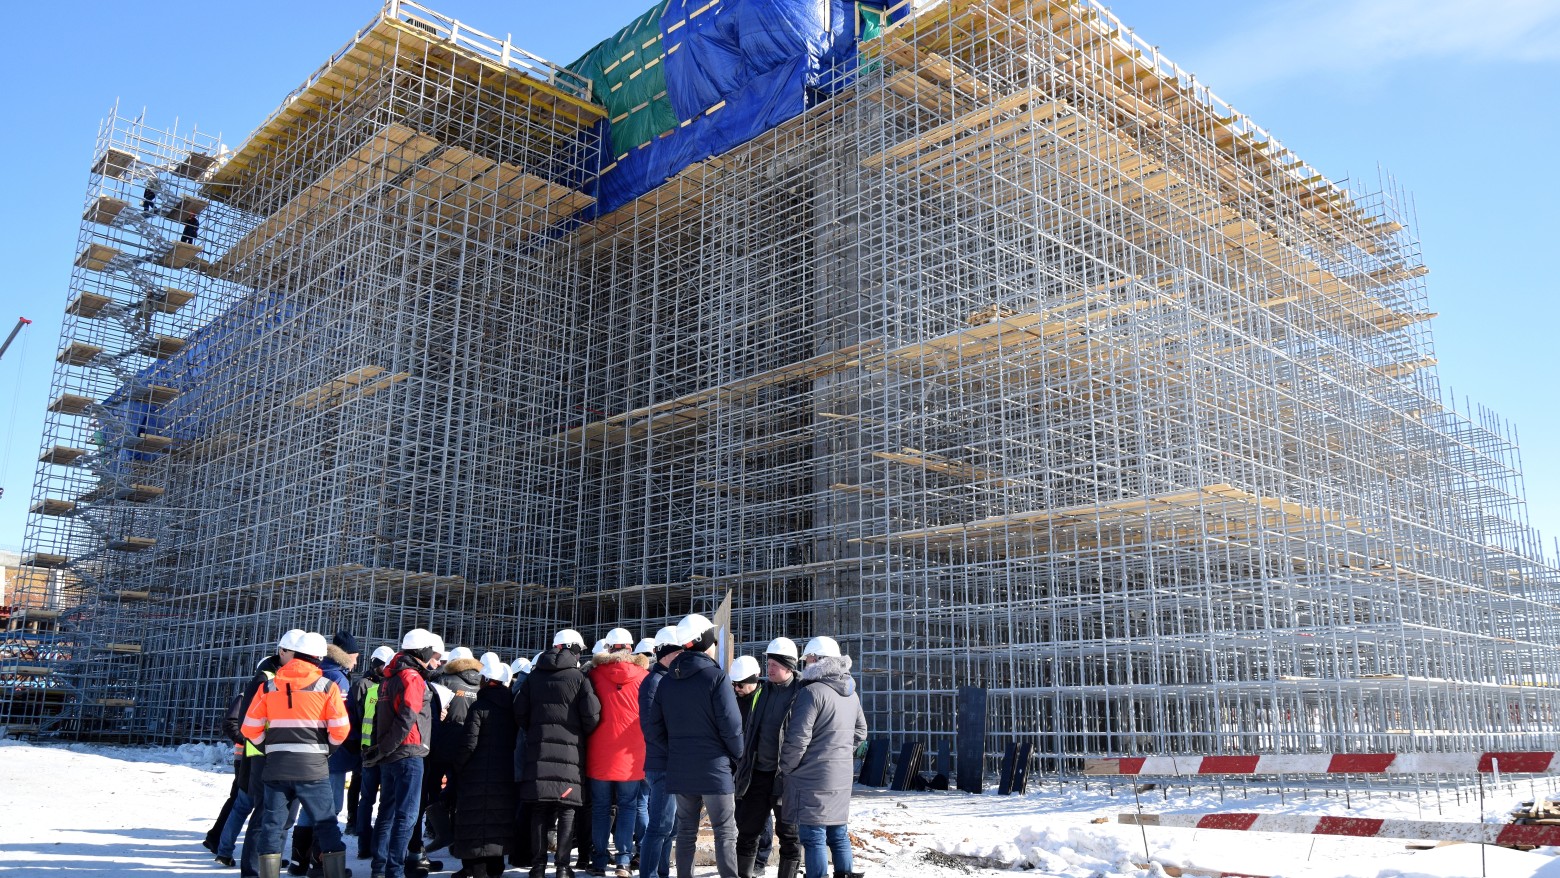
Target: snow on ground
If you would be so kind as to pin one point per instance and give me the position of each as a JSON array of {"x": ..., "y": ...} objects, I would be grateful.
[{"x": 99, "y": 810}]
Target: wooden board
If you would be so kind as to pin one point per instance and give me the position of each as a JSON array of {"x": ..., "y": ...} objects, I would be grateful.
[
  {"x": 156, "y": 394},
  {"x": 195, "y": 165},
  {"x": 150, "y": 443},
  {"x": 96, "y": 257},
  {"x": 132, "y": 544},
  {"x": 180, "y": 256},
  {"x": 161, "y": 347},
  {"x": 50, "y": 506},
  {"x": 44, "y": 559},
  {"x": 104, "y": 210},
  {"x": 71, "y": 404},
  {"x": 114, "y": 163},
  {"x": 87, "y": 305},
  {"x": 61, "y": 455},
  {"x": 171, "y": 300},
  {"x": 78, "y": 353}
]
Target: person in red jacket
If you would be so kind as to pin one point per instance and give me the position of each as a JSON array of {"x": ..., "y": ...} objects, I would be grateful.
[
  {"x": 403, "y": 726},
  {"x": 615, "y": 751},
  {"x": 300, "y": 717}
]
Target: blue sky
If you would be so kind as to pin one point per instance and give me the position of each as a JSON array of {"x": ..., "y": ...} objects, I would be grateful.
[{"x": 1456, "y": 100}]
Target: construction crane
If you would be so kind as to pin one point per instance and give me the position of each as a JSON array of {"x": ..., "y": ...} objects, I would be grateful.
[{"x": 20, "y": 322}]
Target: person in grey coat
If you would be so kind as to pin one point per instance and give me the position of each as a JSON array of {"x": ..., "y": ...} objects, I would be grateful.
[{"x": 817, "y": 746}]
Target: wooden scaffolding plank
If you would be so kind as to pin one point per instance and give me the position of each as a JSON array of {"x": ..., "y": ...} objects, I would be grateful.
[
  {"x": 78, "y": 353},
  {"x": 195, "y": 165},
  {"x": 52, "y": 506},
  {"x": 155, "y": 394},
  {"x": 62, "y": 455},
  {"x": 132, "y": 544},
  {"x": 161, "y": 347},
  {"x": 96, "y": 257},
  {"x": 171, "y": 300},
  {"x": 105, "y": 209},
  {"x": 72, "y": 404},
  {"x": 87, "y": 305},
  {"x": 181, "y": 255},
  {"x": 114, "y": 163}
]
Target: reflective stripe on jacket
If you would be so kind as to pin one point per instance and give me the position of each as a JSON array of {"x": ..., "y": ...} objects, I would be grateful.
[{"x": 298, "y": 717}]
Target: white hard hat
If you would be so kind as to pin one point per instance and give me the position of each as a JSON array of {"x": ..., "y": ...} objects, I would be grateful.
[
  {"x": 744, "y": 669},
  {"x": 691, "y": 628},
  {"x": 782, "y": 646},
  {"x": 445, "y": 693},
  {"x": 822, "y": 647},
  {"x": 459, "y": 652},
  {"x": 569, "y": 637},
  {"x": 520, "y": 666},
  {"x": 534, "y": 659},
  {"x": 667, "y": 636},
  {"x": 383, "y": 655},
  {"x": 645, "y": 647},
  {"x": 311, "y": 644},
  {"x": 493, "y": 668},
  {"x": 491, "y": 655},
  {"x": 619, "y": 637},
  {"x": 292, "y": 640},
  {"x": 599, "y": 647},
  {"x": 422, "y": 638}
]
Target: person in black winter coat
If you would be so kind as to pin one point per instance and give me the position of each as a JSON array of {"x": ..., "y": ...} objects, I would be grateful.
[
  {"x": 463, "y": 677},
  {"x": 557, "y": 710},
  {"x": 484, "y": 793}
]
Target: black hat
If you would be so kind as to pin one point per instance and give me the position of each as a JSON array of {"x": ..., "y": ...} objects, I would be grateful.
[{"x": 345, "y": 642}]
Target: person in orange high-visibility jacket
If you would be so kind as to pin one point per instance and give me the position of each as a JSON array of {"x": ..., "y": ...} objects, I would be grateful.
[{"x": 299, "y": 717}]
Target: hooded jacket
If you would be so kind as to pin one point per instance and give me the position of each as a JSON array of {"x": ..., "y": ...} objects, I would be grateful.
[
  {"x": 557, "y": 710},
  {"x": 299, "y": 717},
  {"x": 761, "y": 731},
  {"x": 616, "y": 750},
  {"x": 819, "y": 741},
  {"x": 484, "y": 792},
  {"x": 463, "y": 677},
  {"x": 694, "y": 717},
  {"x": 335, "y": 669},
  {"x": 655, "y": 751},
  {"x": 403, "y": 716}
]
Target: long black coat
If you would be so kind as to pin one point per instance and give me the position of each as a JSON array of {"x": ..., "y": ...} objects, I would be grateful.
[
  {"x": 557, "y": 710},
  {"x": 485, "y": 792}
]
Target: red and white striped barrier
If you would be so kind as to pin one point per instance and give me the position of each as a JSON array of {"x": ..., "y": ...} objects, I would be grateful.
[
  {"x": 1329, "y": 763},
  {"x": 1358, "y": 827}
]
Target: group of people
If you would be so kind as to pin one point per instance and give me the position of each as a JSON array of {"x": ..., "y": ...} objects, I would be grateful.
[{"x": 617, "y": 754}]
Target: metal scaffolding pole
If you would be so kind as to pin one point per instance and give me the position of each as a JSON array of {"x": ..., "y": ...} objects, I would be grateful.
[{"x": 1021, "y": 361}]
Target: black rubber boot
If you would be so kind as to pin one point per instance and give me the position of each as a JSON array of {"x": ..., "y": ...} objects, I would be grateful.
[
  {"x": 270, "y": 865},
  {"x": 302, "y": 840},
  {"x": 334, "y": 864},
  {"x": 789, "y": 868},
  {"x": 746, "y": 865}
]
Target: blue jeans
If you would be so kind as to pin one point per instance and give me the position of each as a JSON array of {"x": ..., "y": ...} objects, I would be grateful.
[
  {"x": 400, "y": 791},
  {"x": 603, "y": 795},
  {"x": 314, "y": 796},
  {"x": 818, "y": 843},
  {"x": 242, "y": 805},
  {"x": 338, "y": 794},
  {"x": 368, "y": 793},
  {"x": 655, "y": 850}
]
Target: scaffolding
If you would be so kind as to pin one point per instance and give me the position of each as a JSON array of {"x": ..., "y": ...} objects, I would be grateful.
[{"x": 1021, "y": 362}]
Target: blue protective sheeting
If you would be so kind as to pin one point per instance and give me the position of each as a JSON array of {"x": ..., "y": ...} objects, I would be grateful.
[{"x": 735, "y": 69}]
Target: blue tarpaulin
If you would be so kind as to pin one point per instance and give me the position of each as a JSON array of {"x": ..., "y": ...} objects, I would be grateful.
[{"x": 732, "y": 69}]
